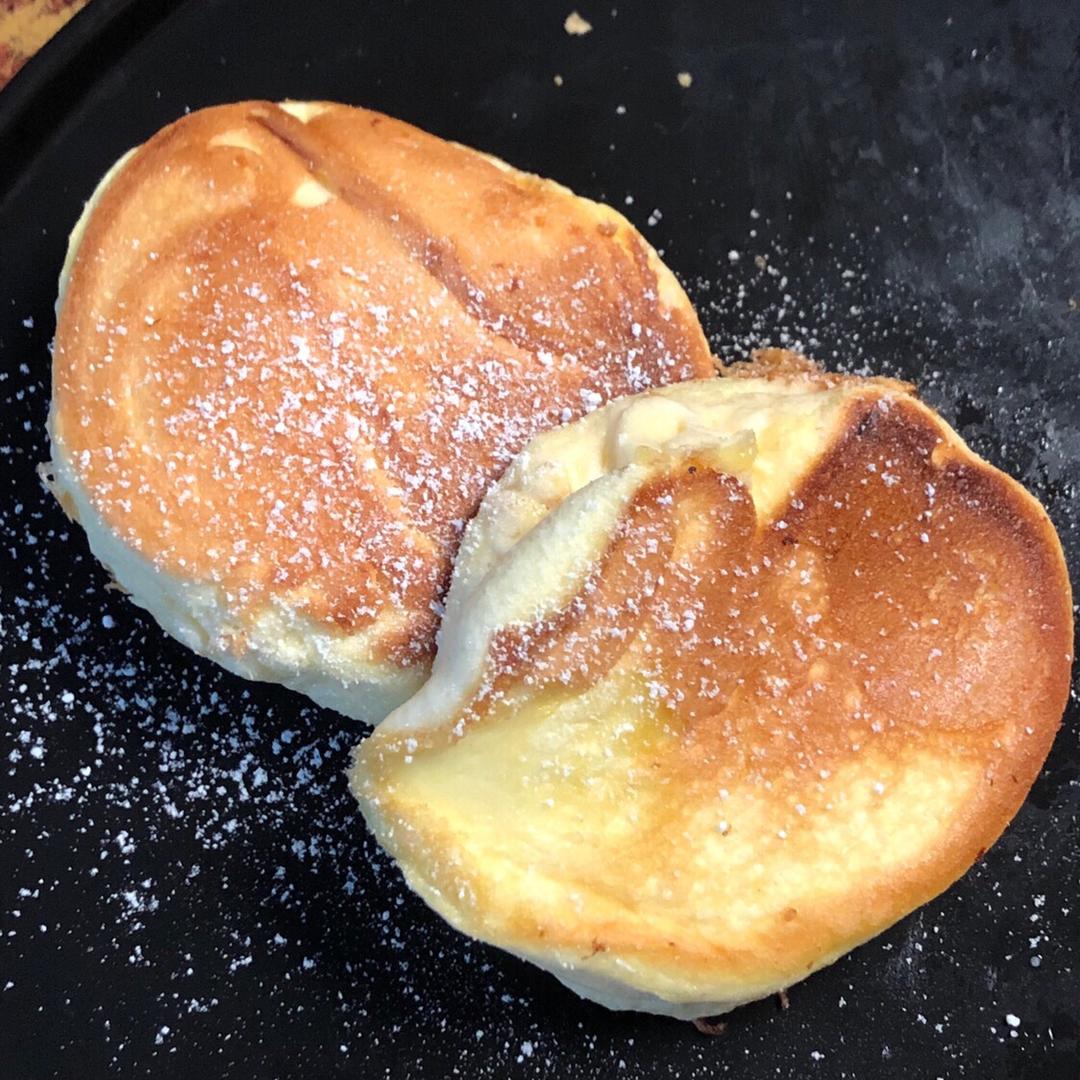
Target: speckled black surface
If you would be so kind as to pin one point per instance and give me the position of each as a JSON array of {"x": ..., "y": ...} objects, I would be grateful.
[{"x": 186, "y": 888}]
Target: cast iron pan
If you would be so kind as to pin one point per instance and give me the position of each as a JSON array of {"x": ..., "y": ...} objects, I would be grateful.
[{"x": 186, "y": 887}]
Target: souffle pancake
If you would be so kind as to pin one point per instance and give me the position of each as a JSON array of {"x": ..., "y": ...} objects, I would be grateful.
[
  {"x": 733, "y": 675},
  {"x": 295, "y": 345}
]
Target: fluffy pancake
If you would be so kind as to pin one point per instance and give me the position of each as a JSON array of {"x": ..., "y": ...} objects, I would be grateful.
[
  {"x": 733, "y": 675},
  {"x": 295, "y": 344}
]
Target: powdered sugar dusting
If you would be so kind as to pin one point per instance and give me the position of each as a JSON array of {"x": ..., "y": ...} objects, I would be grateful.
[{"x": 983, "y": 101}]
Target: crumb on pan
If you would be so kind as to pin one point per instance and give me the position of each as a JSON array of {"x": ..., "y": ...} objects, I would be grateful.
[
  {"x": 709, "y": 1026},
  {"x": 577, "y": 26}
]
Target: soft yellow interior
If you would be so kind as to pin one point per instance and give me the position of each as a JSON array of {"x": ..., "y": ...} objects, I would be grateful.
[{"x": 566, "y": 818}]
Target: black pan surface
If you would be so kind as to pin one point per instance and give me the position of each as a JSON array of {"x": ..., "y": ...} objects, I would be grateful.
[{"x": 186, "y": 887}]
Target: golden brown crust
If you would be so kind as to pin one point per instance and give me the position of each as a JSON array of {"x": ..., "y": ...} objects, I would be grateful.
[
  {"x": 873, "y": 679},
  {"x": 292, "y": 355},
  {"x": 775, "y": 364}
]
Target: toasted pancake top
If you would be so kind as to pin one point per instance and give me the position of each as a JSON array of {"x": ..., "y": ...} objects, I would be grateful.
[
  {"x": 791, "y": 657},
  {"x": 297, "y": 342}
]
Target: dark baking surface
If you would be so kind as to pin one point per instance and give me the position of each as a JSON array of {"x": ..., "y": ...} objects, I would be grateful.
[{"x": 186, "y": 888}]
